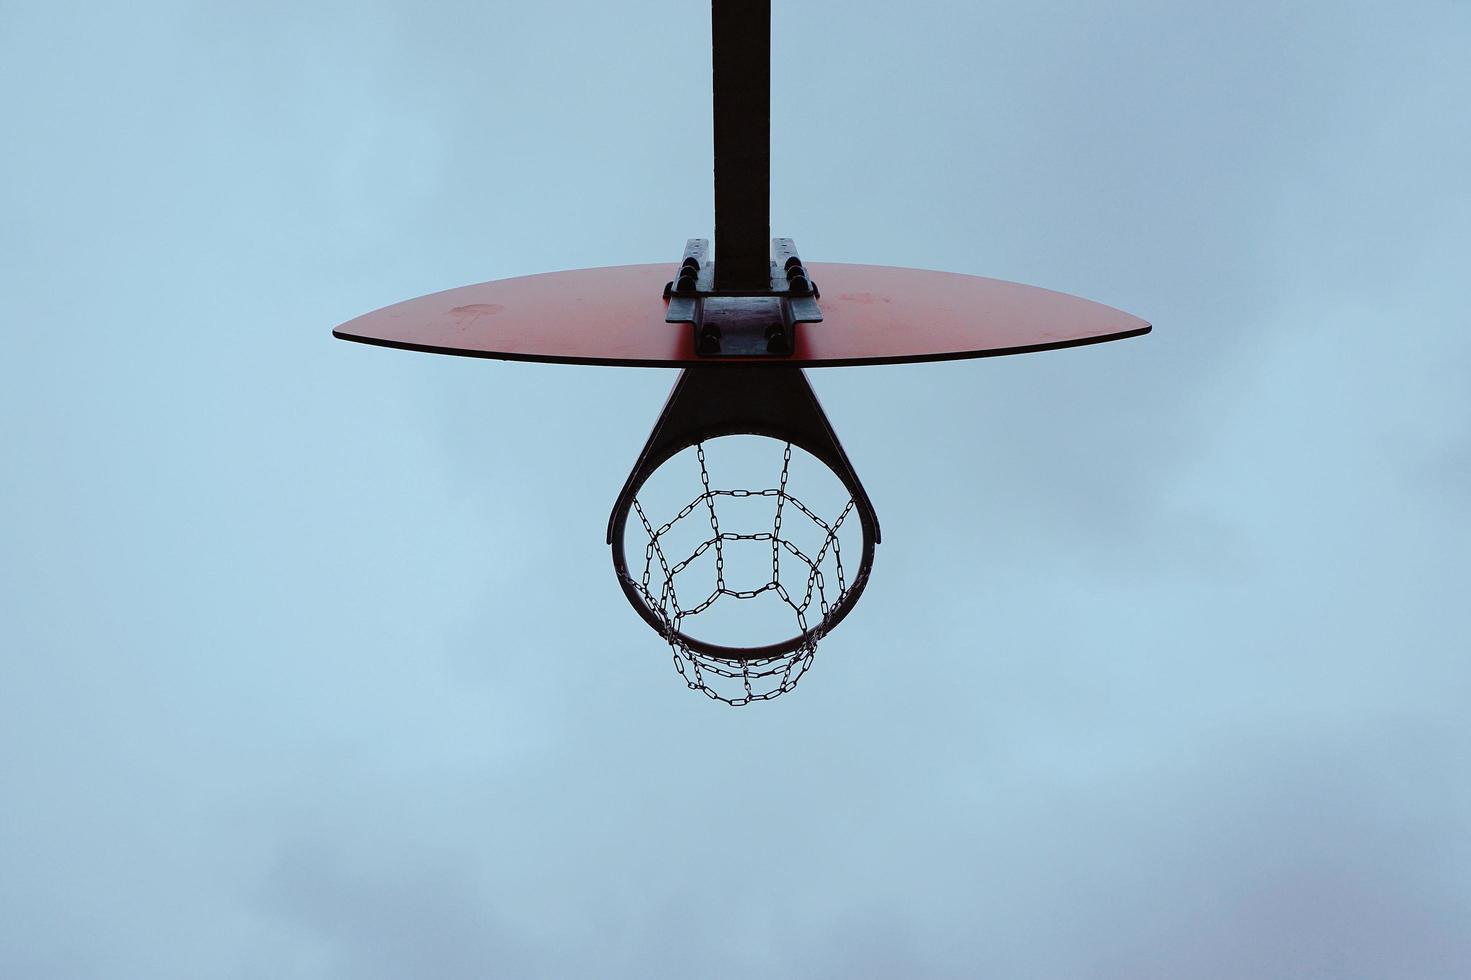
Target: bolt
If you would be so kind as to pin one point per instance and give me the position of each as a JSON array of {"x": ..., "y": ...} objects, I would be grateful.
[{"x": 777, "y": 341}]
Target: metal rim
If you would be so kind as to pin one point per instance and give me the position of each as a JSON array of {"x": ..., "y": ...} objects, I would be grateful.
[{"x": 867, "y": 522}]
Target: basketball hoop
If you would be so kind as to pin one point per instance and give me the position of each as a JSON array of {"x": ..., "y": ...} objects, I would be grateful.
[
  {"x": 818, "y": 585},
  {"x": 763, "y": 672}
]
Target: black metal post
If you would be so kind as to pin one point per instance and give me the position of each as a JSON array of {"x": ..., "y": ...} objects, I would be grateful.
[{"x": 741, "y": 59}]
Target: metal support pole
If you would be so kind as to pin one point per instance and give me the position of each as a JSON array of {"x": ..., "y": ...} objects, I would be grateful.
[{"x": 741, "y": 60}]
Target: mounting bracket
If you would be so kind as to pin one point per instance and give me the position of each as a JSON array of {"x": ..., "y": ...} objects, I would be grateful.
[{"x": 742, "y": 322}]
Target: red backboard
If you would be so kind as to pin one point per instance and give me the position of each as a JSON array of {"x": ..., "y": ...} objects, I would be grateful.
[{"x": 871, "y": 315}]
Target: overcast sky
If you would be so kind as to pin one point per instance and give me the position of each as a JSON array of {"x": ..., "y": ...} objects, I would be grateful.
[{"x": 312, "y": 663}]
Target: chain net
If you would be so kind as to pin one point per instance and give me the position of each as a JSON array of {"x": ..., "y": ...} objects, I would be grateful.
[{"x": 667, "y": 582}]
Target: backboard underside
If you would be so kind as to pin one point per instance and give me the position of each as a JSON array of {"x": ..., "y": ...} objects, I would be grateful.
[{"x": 616, "y": 316}]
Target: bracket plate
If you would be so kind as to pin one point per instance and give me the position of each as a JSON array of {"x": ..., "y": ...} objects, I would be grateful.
[{"x": 742, "y": 323}]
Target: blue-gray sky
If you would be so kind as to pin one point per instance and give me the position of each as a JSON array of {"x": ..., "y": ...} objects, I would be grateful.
[{"x": 313, "y": 664}]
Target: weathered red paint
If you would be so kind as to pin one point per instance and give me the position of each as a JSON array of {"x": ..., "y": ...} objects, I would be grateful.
[{"x": 871, "y": 315}]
